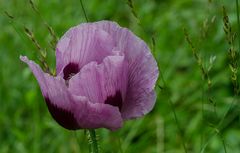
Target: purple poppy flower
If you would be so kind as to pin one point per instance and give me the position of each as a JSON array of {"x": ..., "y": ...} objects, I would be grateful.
[{"x": 105, "y": 75}]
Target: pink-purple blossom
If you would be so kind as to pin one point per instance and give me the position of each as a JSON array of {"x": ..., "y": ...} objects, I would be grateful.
[{"x": 104, "y": 75}]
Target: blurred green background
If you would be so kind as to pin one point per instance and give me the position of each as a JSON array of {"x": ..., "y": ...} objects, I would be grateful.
[{"x": 27, "y": 127}]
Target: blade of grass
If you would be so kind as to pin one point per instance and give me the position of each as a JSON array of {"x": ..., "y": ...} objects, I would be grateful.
[
  {"x": 173, "y": 110},
  {"x": 49, "y": 28},
  {"x": 160, "y": 134},
  {"x": 11, "y": 21},
  {"x": 205, "y": 79},
  {"x": 84, "y": 12},
  {"x": 127, "y": 140},
  {"x": 31, "y": 37}
]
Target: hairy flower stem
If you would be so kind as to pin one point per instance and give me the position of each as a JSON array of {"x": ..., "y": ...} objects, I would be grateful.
[{"x": 92, "y": 140}]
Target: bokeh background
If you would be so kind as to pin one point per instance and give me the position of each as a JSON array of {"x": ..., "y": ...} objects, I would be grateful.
[{"x": 27, "y": 127}]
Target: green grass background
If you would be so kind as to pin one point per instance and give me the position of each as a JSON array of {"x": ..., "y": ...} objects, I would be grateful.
[{"x": 27, "y": 127}]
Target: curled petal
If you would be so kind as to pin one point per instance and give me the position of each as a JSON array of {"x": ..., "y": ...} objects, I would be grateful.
[
  {"x": 81, "y": 45},
  {"x": 103, "y": 83},
  {"x": 97, "y": 115},
  {"x": 71, "y": 111},
  {"x": 142, "y": 68}
]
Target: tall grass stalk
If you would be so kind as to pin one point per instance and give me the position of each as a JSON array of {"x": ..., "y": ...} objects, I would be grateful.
[
  {"x": 32, "y": 38},
  {"x": 12, "y": 23},
  {"x": 130, "y": 136},
  {"x": 84, "y": 12},
  {"x": 173, "y": 111},
  {"x": 234, "y": 67},
  {"x": 49, "y": 28},
  {"x": 36, "y": 115},
  {"x": 206, "y": 79},
  {"x": 233, "y": 54},
  {"x": 238, "y": 24}
]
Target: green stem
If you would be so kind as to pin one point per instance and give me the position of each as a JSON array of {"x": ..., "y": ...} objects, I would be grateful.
[
  {"x": 84, "y": 12},
  {"x": 93, "y": 141}
]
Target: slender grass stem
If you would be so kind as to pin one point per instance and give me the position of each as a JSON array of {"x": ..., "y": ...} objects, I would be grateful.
[
  {"x": 207, "y": 142},
  {"x": 238, "y": 34},
  {"x": 120, "y": 145},
  {"x": 223, "y": 142},
  {"x": 202, "y": 111},
  {"x": 11, "y": 22},
  {"x": 84, "y": 12},
  {"x": 205, "y": 78},
  {"x": 238, "y": 24},
  {"x": 49, "y": 28},
  {"x": 77, "y": 139},
  {"x": 93, "y": 141},
  {"x": 174, "y": 112}
]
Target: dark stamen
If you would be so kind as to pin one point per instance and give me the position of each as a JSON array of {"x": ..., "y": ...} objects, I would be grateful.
[
  {"x": 63, "y": 117},
  {"x": 70, "y": 70},
  {"x": 115, "y": 100}
]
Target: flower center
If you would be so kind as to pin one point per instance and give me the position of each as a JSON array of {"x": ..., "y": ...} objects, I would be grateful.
[
  {"x": 70, "y": 70},
  {"x": 115, "y": 100}
]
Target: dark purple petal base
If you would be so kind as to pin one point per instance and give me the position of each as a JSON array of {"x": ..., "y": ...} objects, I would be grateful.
[
  {"x": 63, "y": 117},
  {"x": 115, "y": 100}
]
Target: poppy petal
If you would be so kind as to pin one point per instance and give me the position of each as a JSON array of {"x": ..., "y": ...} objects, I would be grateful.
[
  {"x": 142, "y": 68},
  {"x": 71, "y": 111},
  {"x": 83, "y": 44},
  {"x": 102, "y": 83}
]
